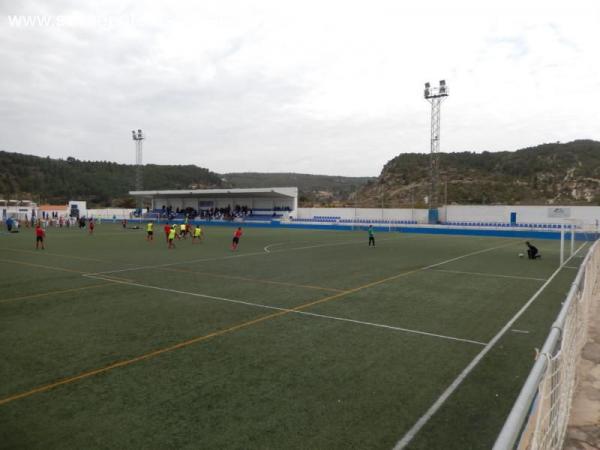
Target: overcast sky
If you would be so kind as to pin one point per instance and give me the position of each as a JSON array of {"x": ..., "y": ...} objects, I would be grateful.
[{"x": 320, "y": 86}]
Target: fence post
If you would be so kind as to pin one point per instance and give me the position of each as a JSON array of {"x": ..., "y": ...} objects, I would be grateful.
[{"x": 562, "y": 244}]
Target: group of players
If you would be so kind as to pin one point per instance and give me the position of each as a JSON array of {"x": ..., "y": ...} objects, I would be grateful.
[
  {"x": 182, "y": 231},
  {"x": 172, "y": 233}
]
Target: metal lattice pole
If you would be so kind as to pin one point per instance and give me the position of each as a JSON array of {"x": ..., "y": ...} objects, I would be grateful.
[
  {"x": 435, "y": 148},
  {"x": 138, "y": 138},
  {"x": 435, "y": 96},
  {"x": 138, "y": 166}
]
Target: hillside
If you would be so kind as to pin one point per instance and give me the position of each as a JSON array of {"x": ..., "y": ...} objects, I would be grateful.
[
  {"x": 103, "y": 183},
  {"x": 314, "y": 189},
  {"x": 546, "y": 174}
]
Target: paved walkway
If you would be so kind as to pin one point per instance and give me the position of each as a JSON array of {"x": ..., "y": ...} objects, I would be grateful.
[{"x": 584, "y": 427}]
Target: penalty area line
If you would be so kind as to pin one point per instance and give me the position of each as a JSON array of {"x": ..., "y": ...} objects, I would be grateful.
[{"x": 294, "y": 310}]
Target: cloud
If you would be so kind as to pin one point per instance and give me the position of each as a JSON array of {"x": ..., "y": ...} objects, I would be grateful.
[{"x": 320, "y": 87}]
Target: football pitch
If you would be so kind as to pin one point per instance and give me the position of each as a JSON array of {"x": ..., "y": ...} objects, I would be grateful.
[{"x": 299, "y": 339}]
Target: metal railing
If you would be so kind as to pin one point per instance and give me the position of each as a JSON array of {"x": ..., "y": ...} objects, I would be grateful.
[{"x": 540, "y": 415}]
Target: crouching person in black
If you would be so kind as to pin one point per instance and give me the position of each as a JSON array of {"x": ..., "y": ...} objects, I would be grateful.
[{"x": 532, "y": 251}]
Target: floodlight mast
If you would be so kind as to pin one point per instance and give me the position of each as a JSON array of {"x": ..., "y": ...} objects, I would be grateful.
[
  {"x": 138, "y": 137},
  {"x": 435, "y": 96}
]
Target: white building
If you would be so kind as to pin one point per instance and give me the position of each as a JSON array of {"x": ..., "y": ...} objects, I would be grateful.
[{"x": 18, "y": 209}]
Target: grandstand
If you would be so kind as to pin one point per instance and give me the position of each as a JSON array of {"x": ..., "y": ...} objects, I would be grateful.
[{"x": 258, "y": 205}]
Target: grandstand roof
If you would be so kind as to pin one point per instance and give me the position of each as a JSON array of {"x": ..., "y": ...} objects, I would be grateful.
[{"x": 283, "y": 192}]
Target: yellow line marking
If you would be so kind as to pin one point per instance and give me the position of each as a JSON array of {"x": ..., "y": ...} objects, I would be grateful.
[
  {"x": 57, "y": 254},
  {"x": 62, "y": 269},
  {"x": 189, "y": 342},
  {"x": 256, "y": 280},
  {"x": 61, "y": 291},
  {"x": 145, "y": 356}
]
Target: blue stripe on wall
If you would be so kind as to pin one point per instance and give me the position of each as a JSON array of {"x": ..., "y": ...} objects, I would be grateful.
[{"x": 526, "y": 234}]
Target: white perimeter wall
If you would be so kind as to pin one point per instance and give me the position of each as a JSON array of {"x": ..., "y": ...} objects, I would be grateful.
[
  {"x": 420, "y": 215},
  {"x": 525, "y": 214},
  {"x": 108, "y": 213},
  {"x": 588, "y": 215}
]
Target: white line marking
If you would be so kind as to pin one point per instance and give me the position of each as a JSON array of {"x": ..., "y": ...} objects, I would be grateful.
[
  {"x": 402, "y": 237},
  {"x": 407, "y": 330},
  {"x": 291, "y": 249},
  {"x": 81, "y": 258},
  {"x": 362, "y": 241},
  {"x": 402, "y": 443},
  {"x": 158, "y": 266},
  {"x": 266, "y": 249},
  {"x": 464, "y": 256},
  {"x": 276, "y": 308},
  {"x": 571, "y": 267},
  {"x": 495, "y": 275},
  {"x": 252, "y": 280},
  {"x": 514, "y": 330},
  {"x": 242, "y": 255}
]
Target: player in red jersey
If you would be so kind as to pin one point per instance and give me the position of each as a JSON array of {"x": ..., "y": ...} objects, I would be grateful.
[
  {"x": 236, "y": 238},
  {"x": 91, "y": 226},
  {"x": 39, "y": 236},
  {"x": 167, "y": 231}
]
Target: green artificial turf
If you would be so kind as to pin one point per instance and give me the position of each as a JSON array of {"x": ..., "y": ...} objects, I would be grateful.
[{"x": 299, "y": 339}]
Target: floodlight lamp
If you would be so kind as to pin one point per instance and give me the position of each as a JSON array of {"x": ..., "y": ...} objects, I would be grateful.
[
  {"x": 427, "y": 92},
  {"x": 443, "y": 88}
]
